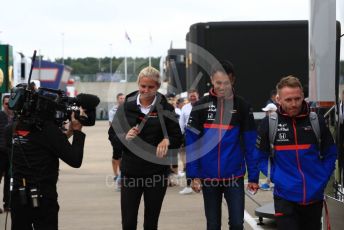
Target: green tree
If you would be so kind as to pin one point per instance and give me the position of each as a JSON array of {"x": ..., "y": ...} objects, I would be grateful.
[{"x": 92, "y": 65}]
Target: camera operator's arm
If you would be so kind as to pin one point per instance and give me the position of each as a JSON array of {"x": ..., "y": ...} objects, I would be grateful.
[{"x": 73, "y": 153}]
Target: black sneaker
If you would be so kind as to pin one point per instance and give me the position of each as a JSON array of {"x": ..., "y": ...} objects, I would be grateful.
[{"x": 1, "y": 211}]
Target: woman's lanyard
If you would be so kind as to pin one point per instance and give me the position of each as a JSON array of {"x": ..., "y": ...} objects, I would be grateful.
[{"x": 158, "y": 107}]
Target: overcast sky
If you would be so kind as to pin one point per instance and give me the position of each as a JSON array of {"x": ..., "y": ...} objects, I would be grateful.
[{"x": 86, "y": 28}]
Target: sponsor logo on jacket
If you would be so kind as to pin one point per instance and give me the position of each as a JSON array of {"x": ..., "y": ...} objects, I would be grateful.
[{"x": 283, "y": 127}]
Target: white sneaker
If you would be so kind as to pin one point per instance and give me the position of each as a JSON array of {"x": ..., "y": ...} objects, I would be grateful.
[
  {"x": 172, "y": 180},
  {"x": 185, "y": 191},
  {"x": 118, "y": 184}
]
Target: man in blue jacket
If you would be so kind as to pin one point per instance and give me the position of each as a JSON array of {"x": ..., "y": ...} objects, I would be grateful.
[
  {"x": 301, "y": 164},
  {"x": 220, "y": 143}
]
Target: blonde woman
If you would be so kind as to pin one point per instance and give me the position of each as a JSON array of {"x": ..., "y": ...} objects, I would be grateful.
[{"x": 147, "y": 127}]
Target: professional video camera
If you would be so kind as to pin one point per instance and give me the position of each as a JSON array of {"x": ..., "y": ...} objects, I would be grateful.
[{"x": 34, "y": 106}]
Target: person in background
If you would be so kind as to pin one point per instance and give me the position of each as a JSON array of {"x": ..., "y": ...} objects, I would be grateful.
[
  {"x": 193, "y": 97},
  {"x": 179, "y": 106},
  {"x": 272, "y": 98},
  {"x": 147, "y": 127},
  {"x": 268, "y": 109},
  {"x": 220, "y": 144},
  {"x": 175, "y": 174},
  {"x": 178, "y": 110},
  {"x": 120, "y": 97},
  {"x": 116, "y": 149},
  {"x": 171, "y": 98},
  {"x": 6, "y": 118}
]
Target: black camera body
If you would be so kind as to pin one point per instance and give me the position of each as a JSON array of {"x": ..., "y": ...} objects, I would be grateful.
[{"x": 35, "y": 106}]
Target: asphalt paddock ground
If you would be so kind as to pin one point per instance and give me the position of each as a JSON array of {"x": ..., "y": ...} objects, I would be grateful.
[{"x": 88, "y": 199}]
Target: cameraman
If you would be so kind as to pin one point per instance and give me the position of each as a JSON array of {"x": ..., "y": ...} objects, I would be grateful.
[{"x": 35, "y": 168}]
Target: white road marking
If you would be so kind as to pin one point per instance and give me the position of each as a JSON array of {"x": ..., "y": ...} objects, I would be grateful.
[{"x": 251, "y": 221}]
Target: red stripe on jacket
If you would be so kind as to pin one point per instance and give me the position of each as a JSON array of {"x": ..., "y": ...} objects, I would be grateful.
[
  {"x": 217, "y": 126},
  {"x": 22, "y": 133},
  {"x": 292, "y": 147}
]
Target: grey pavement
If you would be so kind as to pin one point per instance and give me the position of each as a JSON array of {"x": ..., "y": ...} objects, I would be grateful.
[{"x": 88, "y": 199}]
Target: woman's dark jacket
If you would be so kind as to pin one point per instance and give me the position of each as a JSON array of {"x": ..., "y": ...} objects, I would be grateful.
[{"x": 139, "y": 155}]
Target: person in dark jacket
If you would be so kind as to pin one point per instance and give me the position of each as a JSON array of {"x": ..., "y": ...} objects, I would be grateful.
[
  {"x": 147, "y": 127},
  {"x": 116, "y": 150},
  {"x": 220, "y": 139},
  {"x": 35, "y": 168},
  {"x": 6, "y": 117},
  {"x": 272, "y": 98},
  {"x": 300, "y": 166}
]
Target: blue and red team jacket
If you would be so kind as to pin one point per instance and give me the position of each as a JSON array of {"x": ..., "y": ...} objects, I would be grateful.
[
  {"x": 299, "y": 170},
  {"x": 220, "y": 139}
]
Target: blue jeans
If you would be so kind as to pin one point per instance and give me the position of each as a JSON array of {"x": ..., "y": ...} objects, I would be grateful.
[{"x": 234, "y": 194}]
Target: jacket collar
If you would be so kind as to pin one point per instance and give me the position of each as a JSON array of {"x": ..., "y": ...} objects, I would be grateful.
[
  {"x": 132, "y": 98},
  {"x": 304, "y": 111},
  {"x": 212, "y": 93}
]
